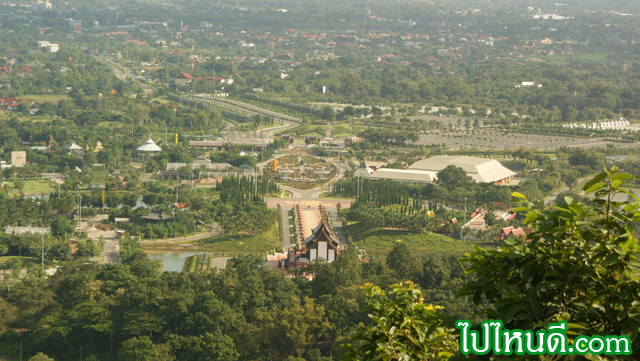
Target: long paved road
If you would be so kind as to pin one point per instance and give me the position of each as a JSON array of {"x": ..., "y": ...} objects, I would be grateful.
[
  {"x": 552, "y": 198},
  {"x": 123, "y": 73},
  {"x": 241, "y": 107},
  {"x": 286, "y": 230},
  {"x": 309, "y": 199}
]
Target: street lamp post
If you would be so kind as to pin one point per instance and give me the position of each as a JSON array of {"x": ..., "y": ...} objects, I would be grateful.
[{"x": 465, "y": 218}]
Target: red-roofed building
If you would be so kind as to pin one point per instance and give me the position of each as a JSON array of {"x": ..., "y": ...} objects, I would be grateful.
[
  {"x": 514, "y": 232},
  {"x": 25, "y": 72},
  {"x": 7, "y": 101},
  {"x": 173, "y": 106},
  {"x": 183, "y": 79}
]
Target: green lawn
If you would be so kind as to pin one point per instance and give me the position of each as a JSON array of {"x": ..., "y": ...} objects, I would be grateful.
[
  {"x": 162, "y": 100},
  {"x": 249, "y": 243},
  {"x": 345, "y": 130},
  {"x": 39, "y": 186},
  {"x": 595, "y": 57},
  {"x": 330, "y": 195},
  {"x": 50, "y": 98},
  {"x": 30, "y": 118},
  {"x": 26, "y": 262},
  {"x": 382, "y": 241},
  {"x": 337, "y": 130},
  {"x": 292, "y": 160},
  {"x": 113, "y": 125},
  {"x": 308, "y": 130}
]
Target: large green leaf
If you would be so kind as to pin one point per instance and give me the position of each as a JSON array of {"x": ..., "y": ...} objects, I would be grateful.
[{"x": 600, "y": 177}]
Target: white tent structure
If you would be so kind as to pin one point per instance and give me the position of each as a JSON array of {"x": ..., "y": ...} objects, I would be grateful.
[
  {"x": 149, "y": 148},
  {"x": 480, "y": 169},
  {"x": 426, "y": 170}
]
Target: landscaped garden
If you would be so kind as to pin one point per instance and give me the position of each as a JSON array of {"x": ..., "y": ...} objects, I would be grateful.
[
  {"x": 301, "y": 172},
  {"x": 246, "y": 242}
]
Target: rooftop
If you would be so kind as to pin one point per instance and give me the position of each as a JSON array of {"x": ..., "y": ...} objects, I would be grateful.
[
  {"x": 23, "y": 230},
  {"x": 404, "y": 175},
  {"x": 480, "y": 169},
  {"x": 149, "y": 146}
]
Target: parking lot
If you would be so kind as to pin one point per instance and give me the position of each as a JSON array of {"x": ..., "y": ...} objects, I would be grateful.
[{"x": 490, "y": 139}]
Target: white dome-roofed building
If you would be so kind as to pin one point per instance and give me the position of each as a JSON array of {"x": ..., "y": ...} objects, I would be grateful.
[
  {"x": 480, "y": 169},
  {"x": 426, "y": 170},
  {"x": 72, "y": 147},
  {"x": 148, "y": 149},
  {"x": 404, "y": 175}
]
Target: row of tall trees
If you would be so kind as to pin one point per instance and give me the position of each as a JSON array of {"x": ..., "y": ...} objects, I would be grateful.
[{"x": 241, "y": 190}]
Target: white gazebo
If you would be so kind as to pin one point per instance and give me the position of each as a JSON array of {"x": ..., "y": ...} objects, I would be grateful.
[
  {"x": 72, "y": 147},
  {"x": 149, "y": 148}
]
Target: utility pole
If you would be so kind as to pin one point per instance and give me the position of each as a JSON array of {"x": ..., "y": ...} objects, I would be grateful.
[
  {"x": 213, "y": 77},
  {"x": 42, "y": 254}
]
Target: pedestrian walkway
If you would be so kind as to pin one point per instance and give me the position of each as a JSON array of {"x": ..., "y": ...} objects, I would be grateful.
[
  {"x": 286, "y": 230},
  {"x": 337, "y": 227}
]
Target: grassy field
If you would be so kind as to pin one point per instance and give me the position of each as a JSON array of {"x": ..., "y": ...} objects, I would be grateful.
[
  {"x": 30, "y": 118},
  {"x": 597, "y": 57},
  {"x": 49, "y": 98},
  {"x": 244, "y": 243},
  {"x": 31, "y": 187},
  {"x": 113, "y": 125},
  {"x": 345, "y": 130},
  {"x": 162, "y": 100},
  {"x": 292, "y": 160},
  {"x": 382, "y": 241},
  {"x": 308, "y": 130},
  {"x": 337, "y": 130},
  {"x": 7, "y": 261}
]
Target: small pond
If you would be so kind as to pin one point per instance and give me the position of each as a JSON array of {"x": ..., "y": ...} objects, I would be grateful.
[{"x": 173, "y": 261}]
